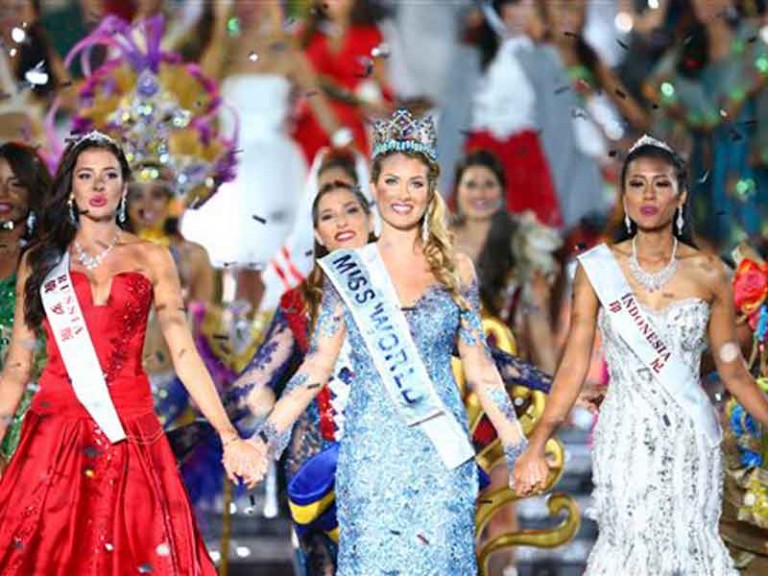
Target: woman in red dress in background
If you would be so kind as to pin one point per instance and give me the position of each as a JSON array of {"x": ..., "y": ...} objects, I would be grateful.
[
  {"x": 93, "y": 488},
  {"x": 343, "y": 44}
]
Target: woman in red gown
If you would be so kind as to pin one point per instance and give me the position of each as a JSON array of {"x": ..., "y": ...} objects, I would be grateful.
[
  {"x": 344, "y": 46},
  {"x": 80, "y": 498}
]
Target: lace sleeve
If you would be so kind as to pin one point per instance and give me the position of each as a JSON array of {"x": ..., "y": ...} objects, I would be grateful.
[
  {"x": 327, "y": 338},
  {"x": 251, "y": 397},
  {"x": 471, "y": 325},
  {"x": 513, "y": 370},
  {"x": 484, "y": 378}
]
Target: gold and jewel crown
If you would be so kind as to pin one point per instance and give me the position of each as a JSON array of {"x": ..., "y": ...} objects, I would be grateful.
[
  {"x": 646, "y": 140},
  {"x": 405, "y": 133}
]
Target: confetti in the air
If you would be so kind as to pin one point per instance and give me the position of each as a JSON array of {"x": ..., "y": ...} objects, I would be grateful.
[{"x": 37, "y": 76}]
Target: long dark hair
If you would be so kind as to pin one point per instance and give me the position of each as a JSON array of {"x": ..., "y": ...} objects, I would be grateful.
[
  {"x": 32, "y": 173},
  {"x": 496, "y": 260},
  {"x": 313, "y": 287},
  {"x": 681, "y": 174},
  {"x": 56, "y": 228}
]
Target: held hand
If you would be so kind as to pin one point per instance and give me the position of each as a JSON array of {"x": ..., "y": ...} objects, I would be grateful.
[
  {"x": 245, "y": 460},
  {"x": 530, "y": 473}
]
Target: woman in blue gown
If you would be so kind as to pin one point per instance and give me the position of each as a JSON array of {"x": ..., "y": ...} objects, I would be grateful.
[{"x": 405, "y": 495}]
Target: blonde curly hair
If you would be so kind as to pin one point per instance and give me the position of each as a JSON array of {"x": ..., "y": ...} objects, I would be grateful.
[{"x": 438, "y": 249}]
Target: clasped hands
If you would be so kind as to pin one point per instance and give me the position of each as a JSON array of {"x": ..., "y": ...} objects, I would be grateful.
[
  {"x": 530, "y": 472},
  {"x": 246, "y": 460}
]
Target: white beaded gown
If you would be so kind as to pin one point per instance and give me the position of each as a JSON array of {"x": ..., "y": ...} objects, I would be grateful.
[{"x": 658, "y": 484}]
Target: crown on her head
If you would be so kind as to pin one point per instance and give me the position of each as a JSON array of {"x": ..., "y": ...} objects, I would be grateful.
[
  {"x": 94, "y": 136},
  {"x": 403, "y": 132},
  {"x": 646, "y": 140}
]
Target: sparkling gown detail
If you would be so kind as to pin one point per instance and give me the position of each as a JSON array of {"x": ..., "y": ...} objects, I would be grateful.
[
  {"x": 73, "y": 503},
  {"x": 401, "y": 511},
  {"x": 658, "y": 484}
]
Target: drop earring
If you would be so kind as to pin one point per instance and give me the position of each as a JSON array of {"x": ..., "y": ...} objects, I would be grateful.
[
  {"x": 31, "y": 220},
  {"x": 680, "y": 221},
  {"x": 627, "y": 223},
  {"x": 72, "y": 215},
  {"x": 121, "y": 211}
]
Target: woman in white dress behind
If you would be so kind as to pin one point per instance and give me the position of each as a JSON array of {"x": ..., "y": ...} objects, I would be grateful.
[{"x": 657, "y": 458}]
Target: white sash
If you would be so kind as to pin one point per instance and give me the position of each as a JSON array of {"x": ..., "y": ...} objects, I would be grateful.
[
  {"x": 76, "y": 348},
  {"x": 626, "y": 315},
  {"x": 364, "y": 284}
]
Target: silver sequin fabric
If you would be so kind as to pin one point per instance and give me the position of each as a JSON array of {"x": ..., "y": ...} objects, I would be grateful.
[
  {"x": 658, "y": 484},
  {"x": 401, "y": 511}
]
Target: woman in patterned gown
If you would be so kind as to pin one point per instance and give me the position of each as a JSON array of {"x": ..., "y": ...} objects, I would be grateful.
[
  {"x": 404, "y": 505},
  {"x": 94, "y": 488},
  {"x": 657, "y": 457}
]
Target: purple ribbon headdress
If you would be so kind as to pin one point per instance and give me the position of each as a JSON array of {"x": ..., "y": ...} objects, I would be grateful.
[{"x": 160, "y": 109}]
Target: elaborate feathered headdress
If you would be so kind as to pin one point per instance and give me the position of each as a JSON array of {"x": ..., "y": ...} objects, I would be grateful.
[{"x": 161, "y": 110}]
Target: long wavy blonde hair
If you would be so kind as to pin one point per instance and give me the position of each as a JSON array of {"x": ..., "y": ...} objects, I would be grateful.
[{"x": 438, "y": 249}]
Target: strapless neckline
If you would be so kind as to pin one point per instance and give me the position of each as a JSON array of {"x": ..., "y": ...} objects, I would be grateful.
[{"x": 111, "y": 284}]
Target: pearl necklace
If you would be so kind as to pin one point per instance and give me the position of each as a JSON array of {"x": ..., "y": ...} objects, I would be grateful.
[
  {"x": 90, "y": 263},
  {"x": 652, "y": 281}
]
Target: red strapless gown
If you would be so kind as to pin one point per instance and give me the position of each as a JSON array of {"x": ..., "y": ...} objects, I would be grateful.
[{"x": 71, "y": 503}]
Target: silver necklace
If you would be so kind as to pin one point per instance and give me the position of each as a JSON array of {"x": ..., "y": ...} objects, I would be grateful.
[
  {"x": 89, "y": 262},
  {"x": 652, "y": 281}
]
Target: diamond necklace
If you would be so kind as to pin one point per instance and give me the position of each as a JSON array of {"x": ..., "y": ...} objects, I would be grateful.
[
  {"x": 652, "y": 281},
  {"x": 90, "y": 263}
]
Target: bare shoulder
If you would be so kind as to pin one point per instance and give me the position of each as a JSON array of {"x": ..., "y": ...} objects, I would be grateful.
[
  {"x": 705, "y": 268},
  {"x": 465, "y": 268}
]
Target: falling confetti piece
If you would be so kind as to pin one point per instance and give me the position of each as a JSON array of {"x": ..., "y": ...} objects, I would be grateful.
[
  {"x": 309, "y": 253},
  {"x": 423, "y": 539},
  {"x": 259, "y": 218},
  {"x": 90, "y": 473},
  {"x": 562, "y": 89},
  {"x": 163, "y": 550},
  {"x": 108, "y": 547},
  {"x": 622, "y": 44},
  {"x": 221, "y": 336},
  {"x": 18, "y": 34},
  {"x": 613, "y": 153},
  {"x": 145, "y": 569},
  {"x": 704, "y": 177},
  {"x": 367, "y": 67},
  {"x": 570, "y": 34},
  {"x": 253, "y": 57},
  {"x": 621, "y": 94}
]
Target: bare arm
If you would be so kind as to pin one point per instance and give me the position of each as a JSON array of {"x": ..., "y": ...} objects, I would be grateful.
[
  {"x": 308, "y": 82},
  {"x": 538, "y": 326},
  {"x": 726, "y": 350},
  {"x": 203, "y": 282},
  {"x": 17, "y": 370},
  {"x": 175, "y": 328},
  {"x": 574, "y": 366}
]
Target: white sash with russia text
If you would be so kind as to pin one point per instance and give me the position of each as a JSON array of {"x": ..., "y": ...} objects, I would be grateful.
[
  {"x": 364, "y": 285},
  {"x": 76, "y": 348},
  {"x": 626, "y": 315}
]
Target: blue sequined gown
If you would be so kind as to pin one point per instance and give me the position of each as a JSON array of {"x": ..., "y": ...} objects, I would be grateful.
[{"x": 401, "y": 511}]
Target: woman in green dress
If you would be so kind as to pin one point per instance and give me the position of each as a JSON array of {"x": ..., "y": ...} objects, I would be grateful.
[{"x": 24, "y": 184}]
